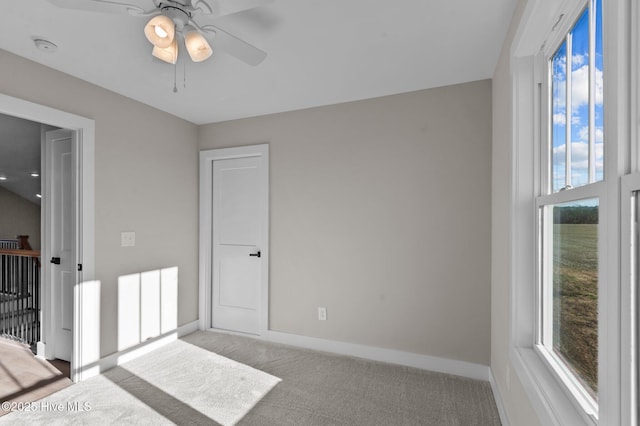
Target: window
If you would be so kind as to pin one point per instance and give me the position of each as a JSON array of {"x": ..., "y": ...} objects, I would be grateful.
[
  {"x": 576, "y": 97},
  {"x": 577, "y": 119},
  {"x": 568, "y": 218}
]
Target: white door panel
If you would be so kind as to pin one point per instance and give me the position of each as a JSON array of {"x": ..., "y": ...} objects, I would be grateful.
[
  {"x": 66, "y": 195},
  {"x": 238, "y": 202},
  {"x": 239, "y": 278}
]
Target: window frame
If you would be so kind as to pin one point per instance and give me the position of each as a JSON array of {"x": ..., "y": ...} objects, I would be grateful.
[
  {"x": 630, "y": 260},
  {"x": 549, "y": 398},
  {"x": 567, "y": 380},
  {"x": 545, "y": 197},
  {"x": 563, "y": 27},
  {"x": 630, "y": 265}
]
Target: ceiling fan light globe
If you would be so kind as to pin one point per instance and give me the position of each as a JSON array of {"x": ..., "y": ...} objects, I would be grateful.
[
  {"x": 167, "y": 54},
  {"x": 156, "y": 27},
  {"x": 197, "y": 46}
]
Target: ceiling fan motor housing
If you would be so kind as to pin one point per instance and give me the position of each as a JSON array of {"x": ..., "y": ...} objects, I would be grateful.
[{"x": 178, "y": 15}]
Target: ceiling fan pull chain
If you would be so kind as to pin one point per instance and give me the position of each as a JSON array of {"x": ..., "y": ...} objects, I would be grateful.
[{"x": 175, "y": 71}]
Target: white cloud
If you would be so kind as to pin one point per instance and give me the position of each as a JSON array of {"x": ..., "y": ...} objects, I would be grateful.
[
  {"x": 579, "y": 155},
  {"x": 579, "y": 59},
  {"x": 579, "y": 88},
  {"x": 599, "y": 87},
  {"x": 579, "y": 162},
  {"x": 576, "y": 119},
  {"x": 559, "y": 118},
  {"x": 583, "y": 135},
  {"x": 559, "y": 154},
  {"x": 559, "y": 97}
]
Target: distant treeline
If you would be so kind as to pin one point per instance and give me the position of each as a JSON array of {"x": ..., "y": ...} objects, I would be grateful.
[{"x": 575, "y": 215}]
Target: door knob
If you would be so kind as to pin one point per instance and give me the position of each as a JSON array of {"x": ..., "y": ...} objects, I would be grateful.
[
  {"x": 255, "y": 254},
  {"x": 55, "y": 260}
]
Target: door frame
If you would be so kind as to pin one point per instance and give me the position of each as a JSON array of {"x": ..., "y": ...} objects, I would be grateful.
[
  {"x": 84, "y": 153},
  {"x": 207, "y": 158}
]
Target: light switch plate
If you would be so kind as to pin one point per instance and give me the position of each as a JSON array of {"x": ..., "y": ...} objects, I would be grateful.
[
  {"x": 322, "y": 313},
  {"x": 127, "y": 239}
]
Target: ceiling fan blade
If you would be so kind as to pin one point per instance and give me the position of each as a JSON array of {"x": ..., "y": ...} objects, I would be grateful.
[
  {"x": 228, "y": 7},
  {"x": 100, "y": 6},
  {"x": 236, "y": 47}
]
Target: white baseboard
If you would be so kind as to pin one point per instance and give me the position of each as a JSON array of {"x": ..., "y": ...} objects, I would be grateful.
[
  {"x": 391, "y": 356},
  {"x": 134, "y": 352},
  {"x": 504, "y": 419}
]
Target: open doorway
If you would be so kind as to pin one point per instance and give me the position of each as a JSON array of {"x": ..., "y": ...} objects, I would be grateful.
[
  {"x": 25, "y": 156},
  {"x": 75, "y": 184},
  {"x": 37, "y": 199}
]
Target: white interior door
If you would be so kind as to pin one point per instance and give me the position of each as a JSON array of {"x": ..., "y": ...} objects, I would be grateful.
[
  {"x": 62, "y": 239},
  {"x": 238, "y": 243}
]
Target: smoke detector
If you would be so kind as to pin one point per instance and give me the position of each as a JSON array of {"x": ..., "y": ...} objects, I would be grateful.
[{"x": 44, "y": 45}]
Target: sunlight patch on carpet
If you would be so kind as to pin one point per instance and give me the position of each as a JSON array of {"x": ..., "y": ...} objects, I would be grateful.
[
  {"x": 176, "y": 382},
  {"x": 218, "y": 387}
]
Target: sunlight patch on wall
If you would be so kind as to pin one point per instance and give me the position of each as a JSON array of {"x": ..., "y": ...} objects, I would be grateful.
[
  {"x": 168, "y": 299},
  {"x": 88, "y": 297},
  {"x": 147, "y": 305}
]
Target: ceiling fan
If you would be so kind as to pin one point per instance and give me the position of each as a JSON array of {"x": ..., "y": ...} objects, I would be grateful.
[{"x": 173, "y": 20}]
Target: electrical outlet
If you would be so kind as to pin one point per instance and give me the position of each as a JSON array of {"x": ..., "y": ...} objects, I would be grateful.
[
  {"x": 127, "y": 239},
  {"x": 322, "y": 314}
]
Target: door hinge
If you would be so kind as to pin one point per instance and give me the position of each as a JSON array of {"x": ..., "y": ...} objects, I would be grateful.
[{"x": 79, "y": 267}]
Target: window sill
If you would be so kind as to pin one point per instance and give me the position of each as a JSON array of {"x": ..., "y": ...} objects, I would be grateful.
[{"x": 552, "y": 404}]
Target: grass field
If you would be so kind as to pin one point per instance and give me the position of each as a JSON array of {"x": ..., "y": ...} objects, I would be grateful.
[{"x": 575, "y": 311}]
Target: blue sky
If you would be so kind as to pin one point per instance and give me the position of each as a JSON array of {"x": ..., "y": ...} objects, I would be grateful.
[{"x": 579, "y": 120}]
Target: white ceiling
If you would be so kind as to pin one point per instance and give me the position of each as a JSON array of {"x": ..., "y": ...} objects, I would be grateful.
[
  {"x": 320, "y": 52},
  {"x": 20, "y": 156}
]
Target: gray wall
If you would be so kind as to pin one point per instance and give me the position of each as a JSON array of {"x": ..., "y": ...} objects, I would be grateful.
[
  {"x": 146, "y": 181},
  {"x": 517, "y": 405},
  {"x": 380, "y": 211},
  {"x": 19, "y": 217}
]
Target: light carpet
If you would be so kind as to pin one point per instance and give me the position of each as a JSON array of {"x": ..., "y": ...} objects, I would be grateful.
[{"x": 210, "y": 378}]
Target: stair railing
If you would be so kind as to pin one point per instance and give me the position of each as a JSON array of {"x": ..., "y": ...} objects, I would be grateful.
[{"x": 19, "y": 292}]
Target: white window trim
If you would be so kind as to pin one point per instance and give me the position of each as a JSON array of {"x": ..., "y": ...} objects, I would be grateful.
[
  {"x": 635, "y": 86},
  {"x": 628, "y": 310},
  {"x": 551, "y": 402},
  {"x": 630, "y": 271}
]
